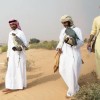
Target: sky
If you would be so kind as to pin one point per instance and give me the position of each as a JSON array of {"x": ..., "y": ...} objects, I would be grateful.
[{"x": 41, "y": 18}]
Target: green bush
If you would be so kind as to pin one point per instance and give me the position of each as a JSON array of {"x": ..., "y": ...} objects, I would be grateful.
[
  {"x": 50, "y": 45},
  {"x": 89, "y": 92},
  {"x": 34, "y": 40}
]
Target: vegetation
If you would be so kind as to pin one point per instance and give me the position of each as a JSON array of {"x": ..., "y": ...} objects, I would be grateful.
[
  {"x": 3, "y": 48},
  {"x": 34, "y": 40},
  {"x": 50, "y": 45},
  {"x": 36, "y": 44},
  {"x": 89, "y": 92}
]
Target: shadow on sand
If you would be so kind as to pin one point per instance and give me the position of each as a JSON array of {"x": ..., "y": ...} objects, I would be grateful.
[
  {"x": 2, "y": 86},
  {"x": 43, "y": 79},
  {"x": 34, "y": 76},
  {"x": 88, "y": 79}
]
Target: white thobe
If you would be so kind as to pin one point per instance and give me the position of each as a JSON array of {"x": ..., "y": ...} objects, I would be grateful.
[
  {"x": 16, "y": 71},
  {"x": 70, "y": 61}
]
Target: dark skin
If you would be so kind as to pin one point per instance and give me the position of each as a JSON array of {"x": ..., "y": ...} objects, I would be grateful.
[
  {"x": 88, "y": 45},
  {"x": 65, "y": 24},
  {"x": 90, "y": 40},
  {"x": 13, "y": 26}
]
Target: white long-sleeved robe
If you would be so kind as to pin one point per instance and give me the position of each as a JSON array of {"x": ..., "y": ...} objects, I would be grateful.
[
  {"x": 16, "y": 71},
  {"x": 70, "y": 62}
]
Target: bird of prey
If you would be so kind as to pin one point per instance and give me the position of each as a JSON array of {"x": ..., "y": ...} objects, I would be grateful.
[{"x": 18, "y": 42}]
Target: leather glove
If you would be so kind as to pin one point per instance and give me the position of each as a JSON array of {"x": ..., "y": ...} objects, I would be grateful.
[
  {"x": 17, "y": 48},
  {"x": 66, "y": 40},
  {"x": 14, "y": 48}
]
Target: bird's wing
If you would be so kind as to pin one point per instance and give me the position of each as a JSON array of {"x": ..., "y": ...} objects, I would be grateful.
[{"x": 17, "y": 39}]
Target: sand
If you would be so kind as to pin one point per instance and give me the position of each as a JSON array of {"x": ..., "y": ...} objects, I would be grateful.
[{"x": 43, "y": 84}]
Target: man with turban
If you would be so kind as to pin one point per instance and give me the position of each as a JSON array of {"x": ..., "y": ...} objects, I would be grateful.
[
  {"x": 16, "y": 71},
  {"x": 70, "y": 56},
  {"x": 96, "y": 33}
]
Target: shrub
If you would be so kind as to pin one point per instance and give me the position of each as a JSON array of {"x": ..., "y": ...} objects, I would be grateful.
[
  {"x": 89, "y": 92},
  {"x": 50, "y": 45},
  {"x": 3, "y": 48},
  {"x": 34, "y": 40}
]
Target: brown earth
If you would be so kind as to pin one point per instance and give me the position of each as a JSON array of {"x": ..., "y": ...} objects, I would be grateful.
[{"x": 43, "y": 84}]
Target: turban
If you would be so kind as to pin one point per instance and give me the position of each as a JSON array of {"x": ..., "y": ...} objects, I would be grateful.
[
  {"x": 15, "y": 22},
  {"x": 66, "y": 18}
]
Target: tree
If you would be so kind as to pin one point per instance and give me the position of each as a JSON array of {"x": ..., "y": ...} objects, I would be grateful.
[{"x": 34, "y": 40}]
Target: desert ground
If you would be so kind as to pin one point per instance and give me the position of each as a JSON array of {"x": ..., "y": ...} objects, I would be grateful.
[{"x": 43, "y": 83}]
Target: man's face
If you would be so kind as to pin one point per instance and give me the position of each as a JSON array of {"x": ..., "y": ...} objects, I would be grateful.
[
  {"x": 65, "y": 24},
  {"x": 13, "y": 26}
]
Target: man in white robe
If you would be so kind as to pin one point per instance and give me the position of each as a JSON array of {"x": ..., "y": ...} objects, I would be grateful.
[
  {"x": 70, "y": 58},
  {"x": 16, "y": 71}
]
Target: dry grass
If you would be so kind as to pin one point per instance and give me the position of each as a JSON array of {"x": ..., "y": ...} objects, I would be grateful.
[
  {"x": 50, "y": 45},
  {"x": 90, "y": 87},
  {"x": 3, "y": 48}
]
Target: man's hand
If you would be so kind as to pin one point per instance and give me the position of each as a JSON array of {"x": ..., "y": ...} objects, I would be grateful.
[
  {"x": 59, "y": 50},
  {"x": 90, "y": 40},
  {"x": 88, "y": 45}
]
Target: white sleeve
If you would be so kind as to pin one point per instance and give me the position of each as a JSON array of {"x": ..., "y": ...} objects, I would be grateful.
[
  {"x": 23, "y": 38},
  {"x": 80, "y": 41},
  {"x": 61, "y": 40},
  {"x": 8, "y": 50}
]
